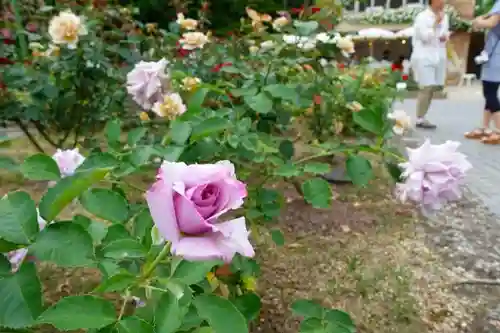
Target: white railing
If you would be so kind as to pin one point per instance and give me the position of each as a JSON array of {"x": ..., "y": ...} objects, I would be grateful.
[{"x": 374, "y": 5}]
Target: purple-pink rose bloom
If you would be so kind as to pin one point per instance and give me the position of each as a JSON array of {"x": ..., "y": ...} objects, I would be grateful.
[
  {"x": 433, "y": 175},
  {"x": 186, "y": 203},
  {"x": 147, "y": 82}
]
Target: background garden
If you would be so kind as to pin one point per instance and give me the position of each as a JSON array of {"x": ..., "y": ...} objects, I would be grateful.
[{"x": 171, "y": 171}]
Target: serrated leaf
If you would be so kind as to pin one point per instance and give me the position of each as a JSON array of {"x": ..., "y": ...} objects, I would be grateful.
[
  {"x": 168, "y": 314},
  {"x": 66, "y": 190},
  {"x": 359, "y": 170},
  {"x": 19, "y": 218},
  {"x": 20, "y": 298},
  {"x": 317, "y": 168},
  {"x": 317, "y": 192},
  {"x": 278, "y": 237},
  {"x": 40, "y": 167},
  {"x": 191, "y": 272},
  {"x": 66, "y": 244},
  {"x": 260, "y": 103},
  {"x": 106, "y": 204},
  {"x": 79, "y": 312},
  {"x": 221, "y": 314}
]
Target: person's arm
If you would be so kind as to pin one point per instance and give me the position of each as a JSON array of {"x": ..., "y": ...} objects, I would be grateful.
[
  {"x": 445, "y": 31},
  {"x": 425, "y": 28},
  {"x": 486, "y": 21}
]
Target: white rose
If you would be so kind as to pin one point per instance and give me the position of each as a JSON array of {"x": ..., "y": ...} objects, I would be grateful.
[
  {"x": 267, "y": 45},
  {"x": 401, "y": 86},
  {"x": 66, "y": 28},
  {"x": 345, "y": 44}
]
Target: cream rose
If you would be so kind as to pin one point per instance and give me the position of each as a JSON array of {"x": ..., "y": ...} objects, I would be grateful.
[
  {"x": 345, "y": 44},
  {"x": 66, "y": 28},
  {"x": 190, "y": 83},
  {"x": 193, "y": 40},
  {"x": 279, "y": 23},
  {"x": 170, "y": 107}
]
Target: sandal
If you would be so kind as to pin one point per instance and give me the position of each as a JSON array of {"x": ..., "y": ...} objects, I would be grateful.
[
  {"x": 478, "y": 133},
  {"x": 491, "y": 139}
]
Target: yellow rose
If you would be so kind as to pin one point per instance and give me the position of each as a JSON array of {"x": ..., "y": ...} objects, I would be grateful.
[
  {"x": 190, "y": 83},
  {"x": 144, "y": 116},
  {"x": 186, "y": 23}
]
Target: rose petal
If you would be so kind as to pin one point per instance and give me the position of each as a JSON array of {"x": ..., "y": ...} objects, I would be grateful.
[
  {"x": 161, "y": 206},
  {"x": 189, "y": 220}
]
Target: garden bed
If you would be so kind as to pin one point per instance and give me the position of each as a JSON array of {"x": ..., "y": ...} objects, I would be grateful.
[{"x": 362, "y": 255}]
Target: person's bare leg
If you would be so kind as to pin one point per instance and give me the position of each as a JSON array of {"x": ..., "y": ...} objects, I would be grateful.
[{"x": 487, "y": 115}]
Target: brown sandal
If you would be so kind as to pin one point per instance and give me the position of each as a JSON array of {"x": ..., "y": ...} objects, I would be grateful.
[
  {"x": 491, "y": 139},
  {"x": 477, "y": 134}
]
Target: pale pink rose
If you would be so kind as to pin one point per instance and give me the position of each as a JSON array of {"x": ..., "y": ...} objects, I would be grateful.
[
  {"x": 147, "y": 82},
  {"x": 433, "y": 175},
  {"x": 186, "y": 203},
  {"x": 17, "y": 257},
  {"x": 68, "y": 161}
]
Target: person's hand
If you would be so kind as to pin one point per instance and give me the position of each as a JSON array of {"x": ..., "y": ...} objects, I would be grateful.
[{"x": 443, "y": 38}]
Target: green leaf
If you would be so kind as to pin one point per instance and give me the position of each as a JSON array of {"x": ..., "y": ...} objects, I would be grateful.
[
  {"x": 359, "y": 170},
  {"x": 260, "y": 103},
  {"x": 40, "y": 167},
  {"x": 195, "y": 104},
  {"x": 66, "y": 244},
  {"x": 210, "y": 127},
  {"x": 287, "y": 170},
  {"x": 66, "y": 190},
  {"x": 135, "y": 135},
  {"x": 19, "y": 218},
  {"x": 317, "y": 168},
  {"x": 79, "y": 312},
  {"x": 168, "y": 314},
  {"x": 180, "y": 131},
  {"x": 141, "y": 155},
  {"x": 5, "y": 267},
  {"x": 106, "y": 204},
  {"x": 313, "y": 325},
  {"x": 244, "y": 91},
  {"x": 394, "y": 170},
  {"x": 7, "y": 163},
  {"x": 249, "y": 305},
  {"x": 134, "y": 324},
  {"x": 370, "y": 120},
  {"x": 317, "y": 192},
  {"x": 118, "y": 282},
  {"x": 287, "y": 149},
  {"x": 307, "y": 309},
  {"x": 278, "y": 237},
  {"x": 221, "y": 314},
  {"x": 113, "y": 130},
  {"x": 281, "y": 91},
  {"x": 170, "y": 153},
  {"x": 192, "y": 272},
  {"x": 339, "y": 321},
  {"x": 21, "y": 298},
  {"x": 124, "y": 248},
  {"x": 98, "y": 161}
]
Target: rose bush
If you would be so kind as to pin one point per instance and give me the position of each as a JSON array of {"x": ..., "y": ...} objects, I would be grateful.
[{"x": 165, "y": 206}]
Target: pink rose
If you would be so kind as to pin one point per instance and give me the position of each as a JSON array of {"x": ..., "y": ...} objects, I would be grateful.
[
  {"x": 186, "y": 203},
  {"x": 433, "y": 175},
  {"x": 147, "y": 82},
  {"x": 68, "y": 161}
]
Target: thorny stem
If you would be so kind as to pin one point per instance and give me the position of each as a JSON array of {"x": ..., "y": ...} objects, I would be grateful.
[
  {"x": 124, "y": 305},
  {"x": 151, "y": 268},
  {"x": 479, "y": 281},
  {"x": 19, "y": 29}
]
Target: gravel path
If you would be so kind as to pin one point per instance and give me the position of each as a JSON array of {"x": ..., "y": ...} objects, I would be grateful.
[{"x": 467, "y": 233}]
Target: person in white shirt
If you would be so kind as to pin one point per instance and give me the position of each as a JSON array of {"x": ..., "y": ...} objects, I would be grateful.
[{"x": 428, "y": 59}]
